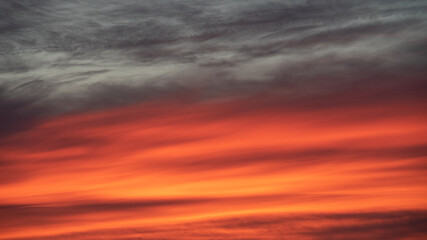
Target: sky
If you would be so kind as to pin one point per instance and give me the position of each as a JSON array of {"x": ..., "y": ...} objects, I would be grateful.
[{"x": 205, "y": 120}]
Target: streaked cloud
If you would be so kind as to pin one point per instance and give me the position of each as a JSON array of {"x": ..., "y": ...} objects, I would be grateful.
[
  {"x": 245, "y": 119},
  {"x": 75, "y": 49},
  {"x": 171, "y": 162}
]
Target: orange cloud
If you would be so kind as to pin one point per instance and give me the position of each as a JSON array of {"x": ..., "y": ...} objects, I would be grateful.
[{"x": 175, "y": 170}]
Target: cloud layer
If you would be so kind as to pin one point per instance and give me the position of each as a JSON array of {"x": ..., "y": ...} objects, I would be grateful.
[
  {"x": 244, "y": 119},
  {"x": 63, "y": 54},
  {"x": 159, "y": 164}
]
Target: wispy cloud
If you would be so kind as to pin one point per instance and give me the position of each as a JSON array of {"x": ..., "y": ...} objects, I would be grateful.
[{"x": 74, "y": 49}]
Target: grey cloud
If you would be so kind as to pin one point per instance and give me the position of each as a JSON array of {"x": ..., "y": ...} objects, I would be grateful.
[
  {"x": 16, "y": 114},
  {"x": 80, "y": 55}
]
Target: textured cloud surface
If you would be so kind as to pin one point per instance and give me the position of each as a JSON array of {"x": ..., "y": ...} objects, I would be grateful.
[
  {"x": 67, "y": 53},
  {"x": 242, "y": 119},
  {"x": 310, "y": 172}
]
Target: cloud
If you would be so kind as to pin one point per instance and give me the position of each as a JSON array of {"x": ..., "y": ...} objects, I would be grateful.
[
  {"x": 16, "y": 114},
  {"x": 243, "y": 119},
  {"x": 392, "y": 225},
  {"x": 49, "y": 214},
  {"x": 157, "y": 47},
  {"x": 294, "y": 159}
]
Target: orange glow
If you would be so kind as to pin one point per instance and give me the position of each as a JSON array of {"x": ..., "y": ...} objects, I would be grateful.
[{"x": 195, "y": 170}]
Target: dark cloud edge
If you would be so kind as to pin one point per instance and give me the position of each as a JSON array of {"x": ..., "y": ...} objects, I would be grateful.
[{"x": 393, "y": 224}]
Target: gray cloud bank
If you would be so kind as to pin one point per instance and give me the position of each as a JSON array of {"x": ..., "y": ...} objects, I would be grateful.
[{"x": 60, "y": 56}]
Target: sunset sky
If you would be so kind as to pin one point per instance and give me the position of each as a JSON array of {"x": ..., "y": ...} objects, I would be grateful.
[{"x": 211, "y": 120}]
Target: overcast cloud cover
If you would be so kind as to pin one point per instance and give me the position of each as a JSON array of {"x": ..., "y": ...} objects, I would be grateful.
[{"x": 75, "y": 55}]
